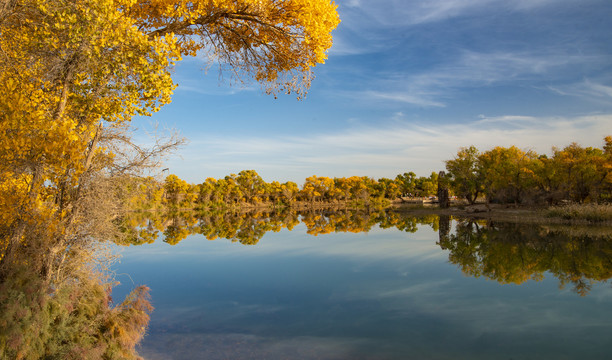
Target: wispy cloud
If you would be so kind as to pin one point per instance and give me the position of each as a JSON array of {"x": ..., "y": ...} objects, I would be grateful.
[
  {"x": 383, "y": 151},
  {"x": 391, "y": 13},
  {"x": 507, "y": 119},
  {"x": 435, "y": 86},
  {"x": 408, "y": 98},
  {"x": 587, "y": 89}
]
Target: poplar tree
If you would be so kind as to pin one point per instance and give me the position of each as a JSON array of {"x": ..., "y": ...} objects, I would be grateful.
[{"x": 73, "y": 74}]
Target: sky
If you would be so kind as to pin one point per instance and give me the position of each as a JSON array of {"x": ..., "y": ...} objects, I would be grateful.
[{"x": 406, "y": 84}]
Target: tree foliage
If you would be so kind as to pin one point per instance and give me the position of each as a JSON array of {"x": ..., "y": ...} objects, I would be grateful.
[
  {"x": 465, "y": 173},
  {"x": 275, "y": 42},
  {"x": 511, "y": 175},
  {"x": 248, "y": 189},
  {"x": 74, "y": 73}
]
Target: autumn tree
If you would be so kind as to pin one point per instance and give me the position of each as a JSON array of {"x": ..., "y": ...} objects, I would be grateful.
[
  {"x": 352, "y": 188},
  {"x": 387, "y": 188},
  {"x": 427, "y": 186},
  {"x": 289, "y": 191},
  {"x": 548, "y": 183},
  {"x": 363, "y": 188},
  {"x": 206, "y": 190},
  {"x": 506, "y": 173},
  {"x": 275, "y": 42},
  {"x": 178, "y": 192},
  {"x": 317, "y": 188},
  {"x": 282, "y": 193},
  {"x": 406, "y": 183},
  {"x": 250, "y": 183},
  {"x": 513, "y": 175},
  {"x": 464, "y": 173},
  {"x": 74, "y": 73},
  {"x": 585, "y": 172}
]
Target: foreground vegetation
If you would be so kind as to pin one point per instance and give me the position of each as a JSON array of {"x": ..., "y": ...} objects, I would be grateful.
[{"x": 73, "y": 73}]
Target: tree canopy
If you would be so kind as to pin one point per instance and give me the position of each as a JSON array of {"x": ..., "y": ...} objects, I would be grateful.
[
  {"x": 511, "y": 175},
  {"x": 73, "y": 73}
]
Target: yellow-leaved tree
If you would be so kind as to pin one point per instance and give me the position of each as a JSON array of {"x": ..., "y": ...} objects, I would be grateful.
[{"x": 74, "y": 72}]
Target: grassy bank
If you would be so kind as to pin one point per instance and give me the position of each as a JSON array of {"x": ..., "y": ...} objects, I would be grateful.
[
  {"x": 588, "y": 212},
  {"x": 569, "y": 214}
]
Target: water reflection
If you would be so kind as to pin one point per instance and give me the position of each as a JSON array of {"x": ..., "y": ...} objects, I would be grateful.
[
  {"x": 249, "y": 227},
  {"x": 504, "y": 252},
  {"x": 515, "y": 253}
]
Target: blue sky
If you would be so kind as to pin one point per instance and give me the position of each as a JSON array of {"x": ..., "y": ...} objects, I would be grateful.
[{"x": 407, "y": 83}]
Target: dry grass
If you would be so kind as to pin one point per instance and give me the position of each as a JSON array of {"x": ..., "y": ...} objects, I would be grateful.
[{"x": 589, "y": 212}]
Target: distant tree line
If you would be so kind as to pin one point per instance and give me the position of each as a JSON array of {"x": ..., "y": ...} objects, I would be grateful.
[
  {"x": 247, "y": 188},
  {"x": 502, "y": 175},
  {"x": 512, "y": 175}
]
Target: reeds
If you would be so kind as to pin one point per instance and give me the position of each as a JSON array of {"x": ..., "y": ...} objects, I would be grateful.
[{"x": 589, "y": 212}]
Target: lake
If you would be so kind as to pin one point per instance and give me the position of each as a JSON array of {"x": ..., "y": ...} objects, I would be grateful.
[{"x": 362, "y": 288}]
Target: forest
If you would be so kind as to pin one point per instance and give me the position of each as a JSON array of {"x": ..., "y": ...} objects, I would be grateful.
[{"x": 506, "y": 175}]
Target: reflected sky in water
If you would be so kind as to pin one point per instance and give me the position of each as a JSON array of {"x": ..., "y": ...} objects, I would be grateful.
[{"x": 384, "y": 294}]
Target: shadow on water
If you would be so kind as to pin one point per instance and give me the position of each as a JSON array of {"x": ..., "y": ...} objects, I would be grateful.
[{"x": 504, "y": 252}]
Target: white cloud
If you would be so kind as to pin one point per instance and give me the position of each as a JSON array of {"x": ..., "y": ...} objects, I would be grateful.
[
  {"x": 403, "y": 98},
  {"x": 506, "y": 119},
  {"x": 598, "y": 89},
  {"x": 392, "y": 13},
  {"x": 435, "y": 86},
  {"x": 586, "y": 90},
  {"x": 430, "y": 11},
  {"x": 382, "y": 151}
]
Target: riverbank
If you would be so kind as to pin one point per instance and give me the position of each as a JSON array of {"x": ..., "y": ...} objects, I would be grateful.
[
  {"x": 571, "y": 214},
  {"x": 579, "y": 214}
]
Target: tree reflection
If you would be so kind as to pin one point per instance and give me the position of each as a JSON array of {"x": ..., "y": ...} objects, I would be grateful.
[
  {"x": 504, "y": 252},
  {"x": 515, "y": 253},
  {"x": 249, "y": 227}
]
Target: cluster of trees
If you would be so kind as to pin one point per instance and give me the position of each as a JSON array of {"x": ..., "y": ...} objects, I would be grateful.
[
  {"x": 247, "y": 188},
  {"x": 504, "y": 175},
  {"x": 511, "y": 175},
  {"x": 73, "y": 73},
  {"x": 573, "y": 257},
  {"x": 249, "y": 227}
]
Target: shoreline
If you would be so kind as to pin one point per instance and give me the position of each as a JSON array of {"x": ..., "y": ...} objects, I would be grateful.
[{"x": 530, "y": 214}]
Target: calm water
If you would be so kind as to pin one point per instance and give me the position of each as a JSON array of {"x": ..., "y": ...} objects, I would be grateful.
[{"x": 472, "y": 292}]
